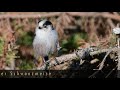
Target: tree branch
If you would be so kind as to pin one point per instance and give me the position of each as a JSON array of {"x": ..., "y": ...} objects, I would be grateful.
[
  {"x": 80, "y": 14},
  {"x": 29, "y": 15},
  {"x": 77, "y": 54}
]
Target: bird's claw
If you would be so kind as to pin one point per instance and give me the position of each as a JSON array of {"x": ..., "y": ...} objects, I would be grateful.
[{"x": 56, "y": 61}]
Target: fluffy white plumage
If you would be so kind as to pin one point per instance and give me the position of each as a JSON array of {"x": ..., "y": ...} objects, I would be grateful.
[
  {"x": 45, "y": 41},
  {"x": 116, "y": 30}
]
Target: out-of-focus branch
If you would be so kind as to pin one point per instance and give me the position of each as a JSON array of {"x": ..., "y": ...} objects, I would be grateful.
[
  {"x": 95, "y": 14},
  {"x": 52, "y": 14},
  {"x": 29, "y": 15}
]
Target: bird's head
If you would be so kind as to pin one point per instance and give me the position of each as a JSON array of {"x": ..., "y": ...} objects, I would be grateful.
[{"x": 45, "y": 25}]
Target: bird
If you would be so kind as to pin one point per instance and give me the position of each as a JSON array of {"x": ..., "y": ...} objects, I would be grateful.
[
  {"x": 116, "y": 31},
  {"x": 46, "y": 41}
]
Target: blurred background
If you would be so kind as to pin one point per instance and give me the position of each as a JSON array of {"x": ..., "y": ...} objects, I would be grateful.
[{"x": 75, "y": 29}]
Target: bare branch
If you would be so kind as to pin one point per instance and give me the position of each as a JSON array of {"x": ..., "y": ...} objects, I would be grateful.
[
  {"x": 82, "y": 14},
  {"x": 102, "y": 63},
  {"x": 29, "y": 15},
  {"x": 95, "y": 14},
  {"x": 79, "y": 54},
  {"x": 111, "y": 72},
  {"x": 118, "y": 68}
]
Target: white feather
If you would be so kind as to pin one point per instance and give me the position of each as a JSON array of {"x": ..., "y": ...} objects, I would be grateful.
[
  {"x": 45, "y": 42},
  {"x": 116, "y": 30}
]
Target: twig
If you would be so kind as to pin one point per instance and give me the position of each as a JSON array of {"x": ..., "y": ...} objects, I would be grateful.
[
  {"x": 80, "y": 14},
  {"x": 118, "y": 75},
  {"x": 111, "y": 72},
  {"x": 29, "y": 15},
  {"x": 95, "y": 14},
  {"x": 102, "y": 63},
  {"x": 93, "y": 75},
  {"x": 111, "y": 23}
]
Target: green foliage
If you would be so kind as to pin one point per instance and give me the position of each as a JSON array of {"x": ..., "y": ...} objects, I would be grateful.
[
  {"x": 74, "y": 42},
  {"x": 25, "y": 39},
  {"x": 31, "y": 20},
  {"x": 113, "y": 41},
  {"x": 11, "y": 54},
  {"x": 1, "y": 46},
  {"x": 26, "y": 65}
]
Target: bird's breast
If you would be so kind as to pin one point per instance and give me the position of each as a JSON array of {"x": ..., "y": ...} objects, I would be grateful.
[{"x": 45, "y": 43}]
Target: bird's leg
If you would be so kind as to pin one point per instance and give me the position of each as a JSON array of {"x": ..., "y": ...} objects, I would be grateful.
[
  {"x": 54, "y": 58},
  {"x": 58, "y": 50},
  {"x": 35, "y": 62},
  {"x": 46, "y": 58},
  {"x": 40, "y": 61}
]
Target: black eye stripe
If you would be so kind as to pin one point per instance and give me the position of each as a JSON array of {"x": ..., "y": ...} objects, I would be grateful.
[
  {"x": 47, "y": 23},
  {"x": 45, "y": 26}
]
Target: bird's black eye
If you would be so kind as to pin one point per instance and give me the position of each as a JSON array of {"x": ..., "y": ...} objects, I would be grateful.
[
  {"x": 39, "y": 27},
  {"x": 47, "y": 23},
  {"x": 45, "y": 26}
]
